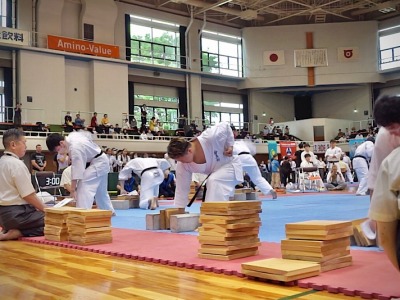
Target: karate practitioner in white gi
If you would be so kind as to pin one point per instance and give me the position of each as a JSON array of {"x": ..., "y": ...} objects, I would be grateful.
[
  {"x": 245, "y": 151},
  {"x": 332, "y": 154},
  {"x": 210, "y": 153},
  {"x": 361, "y": 160},
  {"x": 90, "y": 167},
  {"x": 151, "y": 172}
]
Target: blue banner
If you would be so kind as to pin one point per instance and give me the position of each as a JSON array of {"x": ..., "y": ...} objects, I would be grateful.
[
  {"x": 353, "y": 144},
  {"x": 272, "y": 149}
]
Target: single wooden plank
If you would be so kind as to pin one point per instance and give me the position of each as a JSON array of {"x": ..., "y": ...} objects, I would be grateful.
[
  {"x": 218, "y": 220},
  {"x": 228, "y": 257},
  {"x": 229, "y": 233},
  {"x": 222, "y": 249},
  {"x": 314, "y": 254},
  {"x": 317, "y": 259},
  {"x": 230, "y": 212},
  {"x": 281, "y": 266},
  {"x": 279, "y": 277},
  {"x": 318, "y": 225}
]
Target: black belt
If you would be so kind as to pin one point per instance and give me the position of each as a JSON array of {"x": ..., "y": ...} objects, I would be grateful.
[
  {"x": 147, "y": 169},
  {"x": 96, "y": 156},
  {"x": 361, "y": 156},
  {"x": 244, "y": 152}
]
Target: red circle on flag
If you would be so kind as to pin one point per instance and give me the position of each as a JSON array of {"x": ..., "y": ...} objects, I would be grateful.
[{"x": 273, "y": 57}]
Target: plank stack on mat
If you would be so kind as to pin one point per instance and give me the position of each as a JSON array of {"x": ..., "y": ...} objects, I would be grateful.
[
  {"x": 55, "y": 223},
  {"x": 89, "y": 226},
  {"x": 229, "y": 229},
  {"x": 325, "y": 242},
  {"x": 281, "y": 269}
]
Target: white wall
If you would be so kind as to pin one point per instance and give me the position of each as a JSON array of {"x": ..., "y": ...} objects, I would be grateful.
[
  {"x": 304, "y": 129},
  {"x": 341, "y": 104},
  {"x": 256, "y": 40},
  {"x": 42, "y": 76},
  {"x": 70, "y": 22},
  {"x": 77, "y": 77},
  {"x": 277, "y": 106},
  {"x": 109, "y": 89},
  {"x": 102, "y": 14},
  {"x": 48, "y": 20}
]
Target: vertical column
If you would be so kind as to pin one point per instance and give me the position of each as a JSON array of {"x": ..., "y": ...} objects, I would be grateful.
[{"x": 310, "y": 70}]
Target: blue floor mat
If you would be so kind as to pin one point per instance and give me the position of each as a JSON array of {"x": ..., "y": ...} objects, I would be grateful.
[{"x": 275, "y": 213}]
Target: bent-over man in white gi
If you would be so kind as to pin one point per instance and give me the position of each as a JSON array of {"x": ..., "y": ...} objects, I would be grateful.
[
  {"x": 151, "y": 172},
  {"x": 361, "y": 160},
  {"x": 245, "y": 151},
  {"x": 211, "y": 154},
  {"x": 90, "y": 167}
]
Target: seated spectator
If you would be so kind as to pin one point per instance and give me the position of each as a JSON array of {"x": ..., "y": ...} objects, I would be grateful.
[
  {"x": 133, "y": 123},
  {"x": 152, "y": 125},
  {"x": 150, "y": 135},
  {"x": 340, "y": 134},
  {"x": 66, "y": 178},
  {"x": 117, "y": 129},
  {"x": 359, "y": 136},
  {"x": 167, "y": 187},
  {"x": 105, "y": 124},
  {"x": 335, "y": 180},
  {"x": 79, "y": 122},
  {"x": 69, "y": 126},
  {"x": 308, "y": 177},
  {"x": 130, "y": 185},
  {"x": 143, "y": 135},
  {"x": 21, "y": 211},
  {"x": 94, "y": 124}
]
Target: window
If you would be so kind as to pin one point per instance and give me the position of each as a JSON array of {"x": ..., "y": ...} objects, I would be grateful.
[
  {"x": 2, "y": 109},
  {"x": 220, "y": 107},
  {"x": 213, "y": 117},
  {"x": 221, "y": 54},
  {"x": 154, "y": 42},
  {"x": 167, "y": 116},
  {"x": 389, "y": 45},
  {"x": 3, "y": 13}
]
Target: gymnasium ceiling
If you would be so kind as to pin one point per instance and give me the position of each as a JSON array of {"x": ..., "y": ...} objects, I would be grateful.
[{"x": 248, "y": 13}]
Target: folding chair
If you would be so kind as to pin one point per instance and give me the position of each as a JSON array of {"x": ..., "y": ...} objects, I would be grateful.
[
  {"x": 48, "y": 186},
  {"x": 306, "y": 178}
]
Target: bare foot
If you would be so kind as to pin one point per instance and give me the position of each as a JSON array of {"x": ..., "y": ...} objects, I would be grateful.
[
  {"x": 274, "y": 194},
  {"x": 12, "y": 234}
]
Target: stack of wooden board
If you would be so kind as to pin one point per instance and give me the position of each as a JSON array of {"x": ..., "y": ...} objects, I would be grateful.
[
  {"x": 229, "y": 229},
  {"x": 89, "y": 226},
  {"x": 359, "y": 237},
  {"x": 55, "y": 223},
  {"x": 325, "y": 242},
  {"x": 281, "y": 269}
]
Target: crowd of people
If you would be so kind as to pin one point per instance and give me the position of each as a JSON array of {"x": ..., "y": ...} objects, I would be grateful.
[{"x": 224, "y": 163}]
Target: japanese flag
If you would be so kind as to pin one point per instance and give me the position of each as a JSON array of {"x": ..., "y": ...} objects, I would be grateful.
[
  {"x": 275, "y": 57},
  {"x": 348, "y": 54}
]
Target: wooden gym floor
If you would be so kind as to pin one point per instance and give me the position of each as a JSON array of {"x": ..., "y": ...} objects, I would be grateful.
[{"x": 35, "y": 271}]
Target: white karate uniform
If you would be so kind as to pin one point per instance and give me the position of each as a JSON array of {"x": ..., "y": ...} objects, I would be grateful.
[
  {"x": 361, "y": 164},
  {"x": 225, "y": 172},
  {"x": 93, "y": 180},
  {"x": 250, "y": 166},
  {"x": 313, "y": 159},
  {"x": 384, "y": 145},
  {"x": 385, "y": 202},
  {"x": 150, "y": 179},
  {"x": 336, "y": 152}
]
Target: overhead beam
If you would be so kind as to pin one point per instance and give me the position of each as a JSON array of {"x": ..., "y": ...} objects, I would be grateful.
[
  {"x": 376, "y": 7},
  {"x": 212, "y": 6}
]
